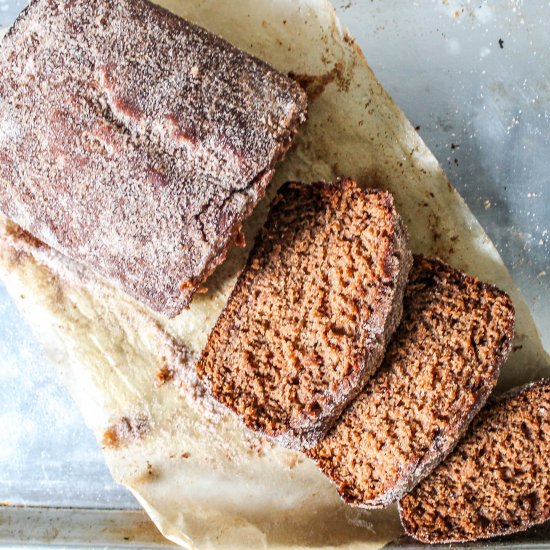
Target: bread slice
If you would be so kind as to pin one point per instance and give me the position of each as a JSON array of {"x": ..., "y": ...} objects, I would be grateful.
[
  {"x": 310, "y": 316},
  {"x": 441, "y": 365},
  {"x": 497, "y": 480},
  {"x": 136, "y": 142}
]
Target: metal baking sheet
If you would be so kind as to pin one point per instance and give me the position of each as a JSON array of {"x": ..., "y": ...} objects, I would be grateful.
[{"x": 475, "y": 80}]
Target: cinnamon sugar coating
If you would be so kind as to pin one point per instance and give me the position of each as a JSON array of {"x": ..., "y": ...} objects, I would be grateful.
[{"x": 136, "y": 142}]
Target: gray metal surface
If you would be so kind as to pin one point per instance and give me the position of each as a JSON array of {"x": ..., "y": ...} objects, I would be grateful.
[
  {"x": 474, "y": 77},
  {"x": 483, "y": 108}
]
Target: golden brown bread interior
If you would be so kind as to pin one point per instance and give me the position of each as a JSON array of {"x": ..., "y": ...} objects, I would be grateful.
[
  {"x": 310, "y": 316},
  {"x": 441, "y": 365},
  {"x": 497, "y": 480}
]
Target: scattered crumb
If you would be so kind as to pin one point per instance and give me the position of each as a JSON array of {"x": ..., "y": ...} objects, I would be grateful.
[
  {"x": 258, "y": 445},
  {"x": 292, "y": 459},
  {"x": 516, "y": 348},
  {"x": 455, "y": 146},
  {"x": 417, "y": 128},
  {"x": 147, "y": 475},
  {"x": 315, "y": 85},
  {"x": 124, "y": 431},
  {"x": 501, "y": 43},
  {"x": 487, "y": 204},
  {"x": 110, "y": 438},
  {"x": 185, "y": 455},
  {"x": 164, "y": 373}
]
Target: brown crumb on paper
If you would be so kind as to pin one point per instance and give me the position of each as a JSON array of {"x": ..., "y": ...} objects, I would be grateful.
[
  {"x": 292, "y": 460},
  {"x": 258, "y": 445},
  {"x": 164, "y": 373},
  {"x": 315, "y": 85},
  {"x": 126, "y": 430},
  {"x": 146, "y": 475}
]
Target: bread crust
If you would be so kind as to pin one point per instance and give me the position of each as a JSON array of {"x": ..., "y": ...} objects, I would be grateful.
[
  {"x": 136, "y": 142},
  {"x": 304, "y": 429}
]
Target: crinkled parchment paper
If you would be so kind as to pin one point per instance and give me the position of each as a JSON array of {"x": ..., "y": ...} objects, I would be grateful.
[{"x": 204, "y": 479}]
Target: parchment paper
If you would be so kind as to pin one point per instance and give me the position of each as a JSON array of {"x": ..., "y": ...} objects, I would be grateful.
[{"x": 205, "y": 480}]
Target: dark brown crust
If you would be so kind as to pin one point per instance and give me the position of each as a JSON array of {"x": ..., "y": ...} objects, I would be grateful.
[
  {"x": 140, "y": 168},
  {"x": 306, "y": 431},
  {"x": 479, "y": 426},
  {"x": 419, "y": 462}
]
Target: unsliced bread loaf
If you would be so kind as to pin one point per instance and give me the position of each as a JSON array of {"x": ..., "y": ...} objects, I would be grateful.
[
  {"x": 441, "y": 365},
  {"x": 136, "y": 142},
  {"x": 497, "y": 480},
  {"x": 309, "y": 318}
]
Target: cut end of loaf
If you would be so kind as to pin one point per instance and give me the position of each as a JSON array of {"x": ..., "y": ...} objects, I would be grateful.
[
  {"x": 441, "y": 365},
  {"x": 497, "y": 480},
  {"x": 309, "y": 318}
]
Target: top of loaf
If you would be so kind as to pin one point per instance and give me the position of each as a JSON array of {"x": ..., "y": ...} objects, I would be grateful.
[{"x": 136, "y": 142}]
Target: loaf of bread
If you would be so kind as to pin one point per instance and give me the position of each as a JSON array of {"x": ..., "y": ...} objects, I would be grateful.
[
  {"x": 309, "y": 318},
  {"x": 497, "y": 480},
  {"x": 441, "y": 365},
  {"x": 136, "y": 142}
]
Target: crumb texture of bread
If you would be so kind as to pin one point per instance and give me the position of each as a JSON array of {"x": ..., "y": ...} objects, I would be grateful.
[
  {"x": 136, "y": 142},
  {"x": 310, "y": 316},
  {"x": 497, "y": 480},
  {"x": 440, "y": 366}
]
